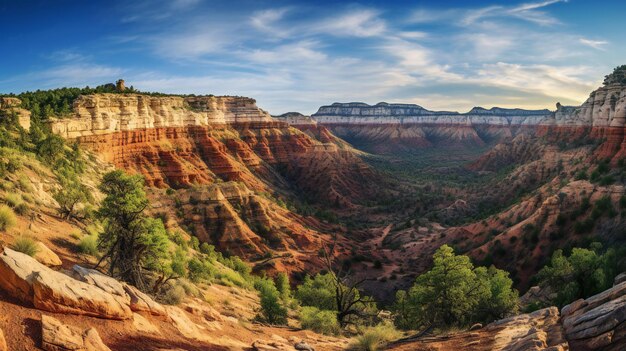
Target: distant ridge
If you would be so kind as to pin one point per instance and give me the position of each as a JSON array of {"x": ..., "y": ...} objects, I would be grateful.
[{"x": 355, "y": 109}]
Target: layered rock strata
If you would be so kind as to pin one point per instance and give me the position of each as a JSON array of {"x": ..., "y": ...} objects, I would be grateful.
[{"x": 387, "y": 128}]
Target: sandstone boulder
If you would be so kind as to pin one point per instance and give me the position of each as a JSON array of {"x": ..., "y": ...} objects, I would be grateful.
[
  {"x": 16, "y": 274},
  {"x": 186, "y": 326},
  {"x": 46, "y": 256},
  {"x": 57, "y": 336},
  {"x": 103, "y": 281},
  {"x": 59, "y": 293},
  {"x": 141, "y": 302},
  {"x": 32, "y": 282},
  {"x": 261, "y": 345},
  {"x": 202, "y": 309},
  {"x": 3, "y": 342}
]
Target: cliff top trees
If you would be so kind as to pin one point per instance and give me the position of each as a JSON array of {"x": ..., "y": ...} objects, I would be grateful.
[
  {"x": 618, "y": 76},
  {"x": 455, "y": 293}
]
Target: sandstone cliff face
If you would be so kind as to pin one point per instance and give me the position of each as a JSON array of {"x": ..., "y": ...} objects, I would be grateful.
[
  {"x": 176, "y": 141},
  {"x": 388, "y": 128},
  {"x": 384, "y": 113},
  {"x": 109, "y": 113},
  {"x": 222, "y": 153}
]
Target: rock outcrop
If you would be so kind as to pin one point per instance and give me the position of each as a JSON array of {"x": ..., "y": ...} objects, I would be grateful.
[
  {"x": 133, "y": 297},
  {"x": 177, "y": 142},
  {"x": 599, "y": 322},
  {"x": 109, "y": 113},
  {"x": 57, "y": 336},
  {"x": 28, "y": 280},
  {"x": 384, "y": 113}
]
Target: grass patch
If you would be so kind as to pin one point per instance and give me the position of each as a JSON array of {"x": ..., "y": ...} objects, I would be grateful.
[
  {"x": 88, "y": 245},
  {"x": 7, "y": 217},
  {"x": 25, "y": 245},
  {"x": 375, "y": 338}
]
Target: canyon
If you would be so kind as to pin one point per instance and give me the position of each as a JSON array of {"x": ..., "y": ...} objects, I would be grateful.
[{"x": 383, "y": 185}]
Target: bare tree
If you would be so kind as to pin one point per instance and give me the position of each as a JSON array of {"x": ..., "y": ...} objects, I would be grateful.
[{"x": 350, "y": 303}]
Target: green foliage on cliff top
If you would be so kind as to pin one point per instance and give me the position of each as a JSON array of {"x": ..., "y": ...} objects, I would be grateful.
[{"x": 618, "y": 76}]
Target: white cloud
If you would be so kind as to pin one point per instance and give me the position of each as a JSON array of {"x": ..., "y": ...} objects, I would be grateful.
[
  {"x": 358, "y": 23},
  {"x": 558, "y": 82},
  {"x": 596, "y": 44},
  {"x": 266, "y": 21},
  {"x": 529, "y": 12}
]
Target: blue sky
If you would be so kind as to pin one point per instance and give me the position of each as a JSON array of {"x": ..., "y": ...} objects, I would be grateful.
[{"x": 296, "y": 56}]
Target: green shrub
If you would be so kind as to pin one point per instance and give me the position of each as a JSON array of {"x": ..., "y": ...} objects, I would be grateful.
[
  {"x": 318, "y": 292},
  {"x": 272, "y": 309},
  {"x": 199, "y": 270},
  {"x": 88, "y": 245},
  {"x": 282, "y": 284},
  {"x": 25, "y": 245},
  {"x": 375, "y": 338},
  {"x": 7, "y": 218},
  {"x": 173, "y": 294},
  {"x": 320, "y": 321}
]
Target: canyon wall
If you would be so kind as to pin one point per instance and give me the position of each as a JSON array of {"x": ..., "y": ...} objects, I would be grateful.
[
  {"x": 390, "y": 128},
  {"x": 209, "y": 147}
]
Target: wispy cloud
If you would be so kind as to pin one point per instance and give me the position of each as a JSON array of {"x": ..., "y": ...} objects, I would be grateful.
[
  {"x": 529, "y": 12},
  {"x": 265, "y": 21},
  {"x": 596, "y": 44},
  {"x": 358, "y": 23}
]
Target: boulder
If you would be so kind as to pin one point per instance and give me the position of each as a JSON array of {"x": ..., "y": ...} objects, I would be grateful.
[
  {"x": 202, "y": 309},
  {"x": 56, "y": 336},
  {"x": 32, "y": 282},
  {"x": 261, "y": 345},
  {"x": 59, "y": 293},
  {"x": 46, "y": 256},
  {"x": 3, "y": 342},
  {"x": 16, "y": 274},
  {"x": 141, "y": 302},
  {"x": 103, "y": 281},
  {"x": 186, "y": 326}
]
